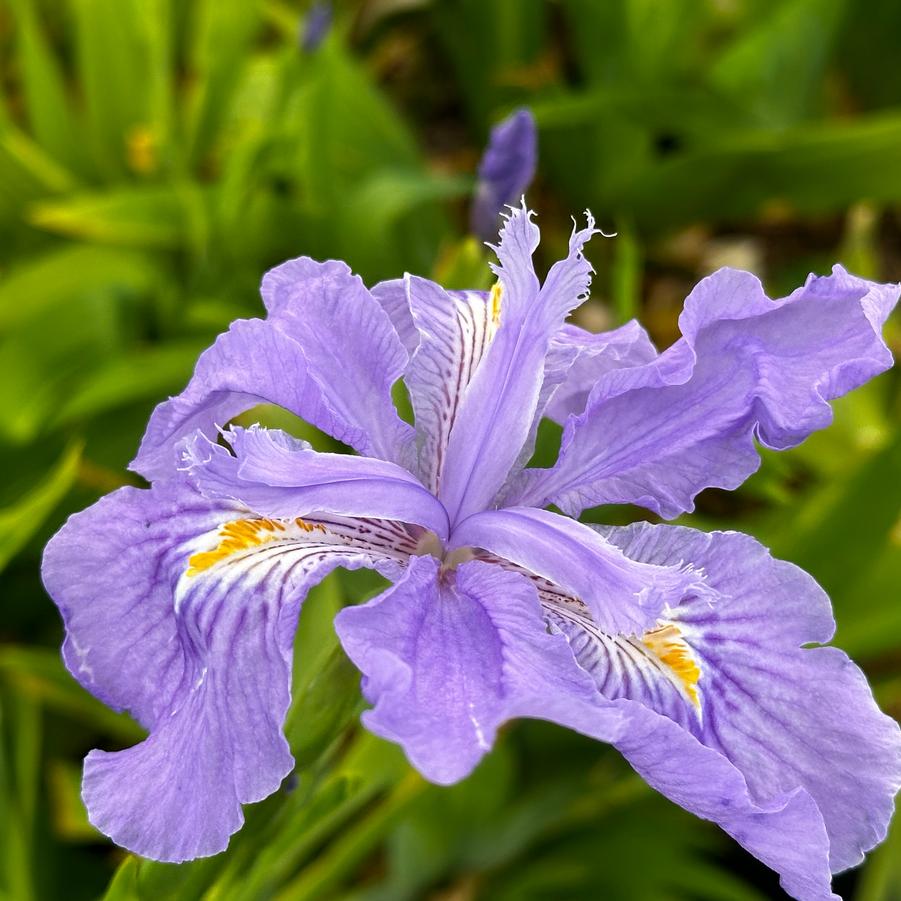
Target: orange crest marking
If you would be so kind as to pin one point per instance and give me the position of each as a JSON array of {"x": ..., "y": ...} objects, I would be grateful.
[
  {"x": 243, "y": 534},
  {"x": 668, "y": 645}
]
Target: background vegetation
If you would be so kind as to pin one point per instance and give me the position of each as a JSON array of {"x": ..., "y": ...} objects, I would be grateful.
[{"x": 156, "y": 156}]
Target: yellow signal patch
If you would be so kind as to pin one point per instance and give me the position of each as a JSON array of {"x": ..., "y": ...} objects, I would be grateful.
[
  {"x": 243, "y": 534},
  {"x": 669, "y": 647}
]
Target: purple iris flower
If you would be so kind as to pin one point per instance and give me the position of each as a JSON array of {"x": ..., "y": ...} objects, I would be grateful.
[
  {"x": 686, "y": 650},
  {"x": 505, "y": 171},
  {"x": 315, "y": 26}
]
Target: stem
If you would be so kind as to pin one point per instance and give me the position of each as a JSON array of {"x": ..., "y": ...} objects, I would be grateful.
[{"x": 347, "y": 852}]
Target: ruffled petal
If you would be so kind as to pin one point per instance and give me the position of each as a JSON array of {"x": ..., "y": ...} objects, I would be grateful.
[
  {"x": 786, "y": 832},
  {"x": 657, "y": 434},
  {"x": 274, "y": 474},
  {"x": 589, "y": 356},
  {"x": 182, "y": 610},
  {"x": 622, "y": 594},
  {"x": 448, "y": 656},
  {"x": 731, "y": 717},
  {"x": 786, "y": 716},
  {"x": 495, "y": 418},
  {"x": 327, "y": 352}
]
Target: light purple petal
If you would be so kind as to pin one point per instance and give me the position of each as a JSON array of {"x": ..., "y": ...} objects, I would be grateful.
[
  {"x": 786, "y": 832},
  {"x": 183, "y": 611},
  {"x": 786, "y": 716},
  {"x": 448, "y": 656},
  {"x": 495, "y": 419},
  {"x": 107, "y": 570},
  {"x": 622, "y": 665},
  {"x": 505, "y": 171},
  {"x": 274, "y": 474},
  {"x": 590, "y": 357},
  {"x": 622, "y": 594},
  {"x": 456, "y": 330},
  {"x": 747, "y": 366},
  {"x": 327, "y": 352},
  {"x": 392, "y": 296},
  {"x": 782, "y": 746}
]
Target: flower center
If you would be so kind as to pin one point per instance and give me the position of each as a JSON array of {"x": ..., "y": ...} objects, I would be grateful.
[{"x": 431, "y": 544}]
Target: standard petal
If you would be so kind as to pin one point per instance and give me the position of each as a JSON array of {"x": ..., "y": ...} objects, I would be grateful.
[
  {"x": 723, "y": 694},
  {"x": 183, "y": 610},
  {"x": 456, "y": 329},
  {"x": 274, "y": 474},
  {"x": 657, "y": 434},
  {"x": 448, "y": 656},
  {"x": 591, "y": 356},
  {"x": 495, "y": 418},
  {"x": 327, "y": 352},
  {"x": 392, "y": 295},
  {"x": 623, "y": 595}
]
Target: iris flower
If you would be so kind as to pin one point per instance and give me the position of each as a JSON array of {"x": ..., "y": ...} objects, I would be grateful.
[
  {"x": 506, "y": 170},
  {"x": 688, "y": 651}
]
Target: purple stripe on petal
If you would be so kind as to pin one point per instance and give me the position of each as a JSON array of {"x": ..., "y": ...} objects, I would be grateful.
[
  {"x": 623, "y": 595},
  {"x": 657, "y": 434},
  {"x": 456, "y": 330}
]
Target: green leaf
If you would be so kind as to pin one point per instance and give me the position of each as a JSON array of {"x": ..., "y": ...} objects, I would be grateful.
[
  {"x": 43, "y": 282},
  {"x": 26, "y": 173},
  {"x": 492, "y": 47},
  {"x": 776, "y": 67},
  {"x": 47, "y": 102},
  {"x": 21, "y": 520},
  {"x": 347, "y": 130},
  {"x": 124, "y": 885},
  {"x": 22, "y": 736},
  {"x": 374, "y": 213},
  {"x": 39, "y": 674},
  {"x": 325, "y": 687},
  {"x": 51, "y": 352},
  {"x": 153, "y": 372},
  {"x": 464, "y": 266},
  {"x": 222, "y": 34},
  {"x": 67, "y": 810},
  {"x": 633, "y": 41},
  {"x": 816, "y": 169},
  {"x": 626, "y": 273},
  {"x": 880, "y": 879},
  {"x": 113, "y": 62},
  {"x": 847, "y": 536},
  {"x": 169, "y": 217}
]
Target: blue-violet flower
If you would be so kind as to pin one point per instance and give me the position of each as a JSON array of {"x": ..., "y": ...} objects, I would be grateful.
[
  {"x": 686, "y": 650},
  {"x": 505, "y": 172}
]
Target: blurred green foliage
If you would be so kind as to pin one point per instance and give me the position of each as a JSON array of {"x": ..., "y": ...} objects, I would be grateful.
[{"x": 156, "y": 156}]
